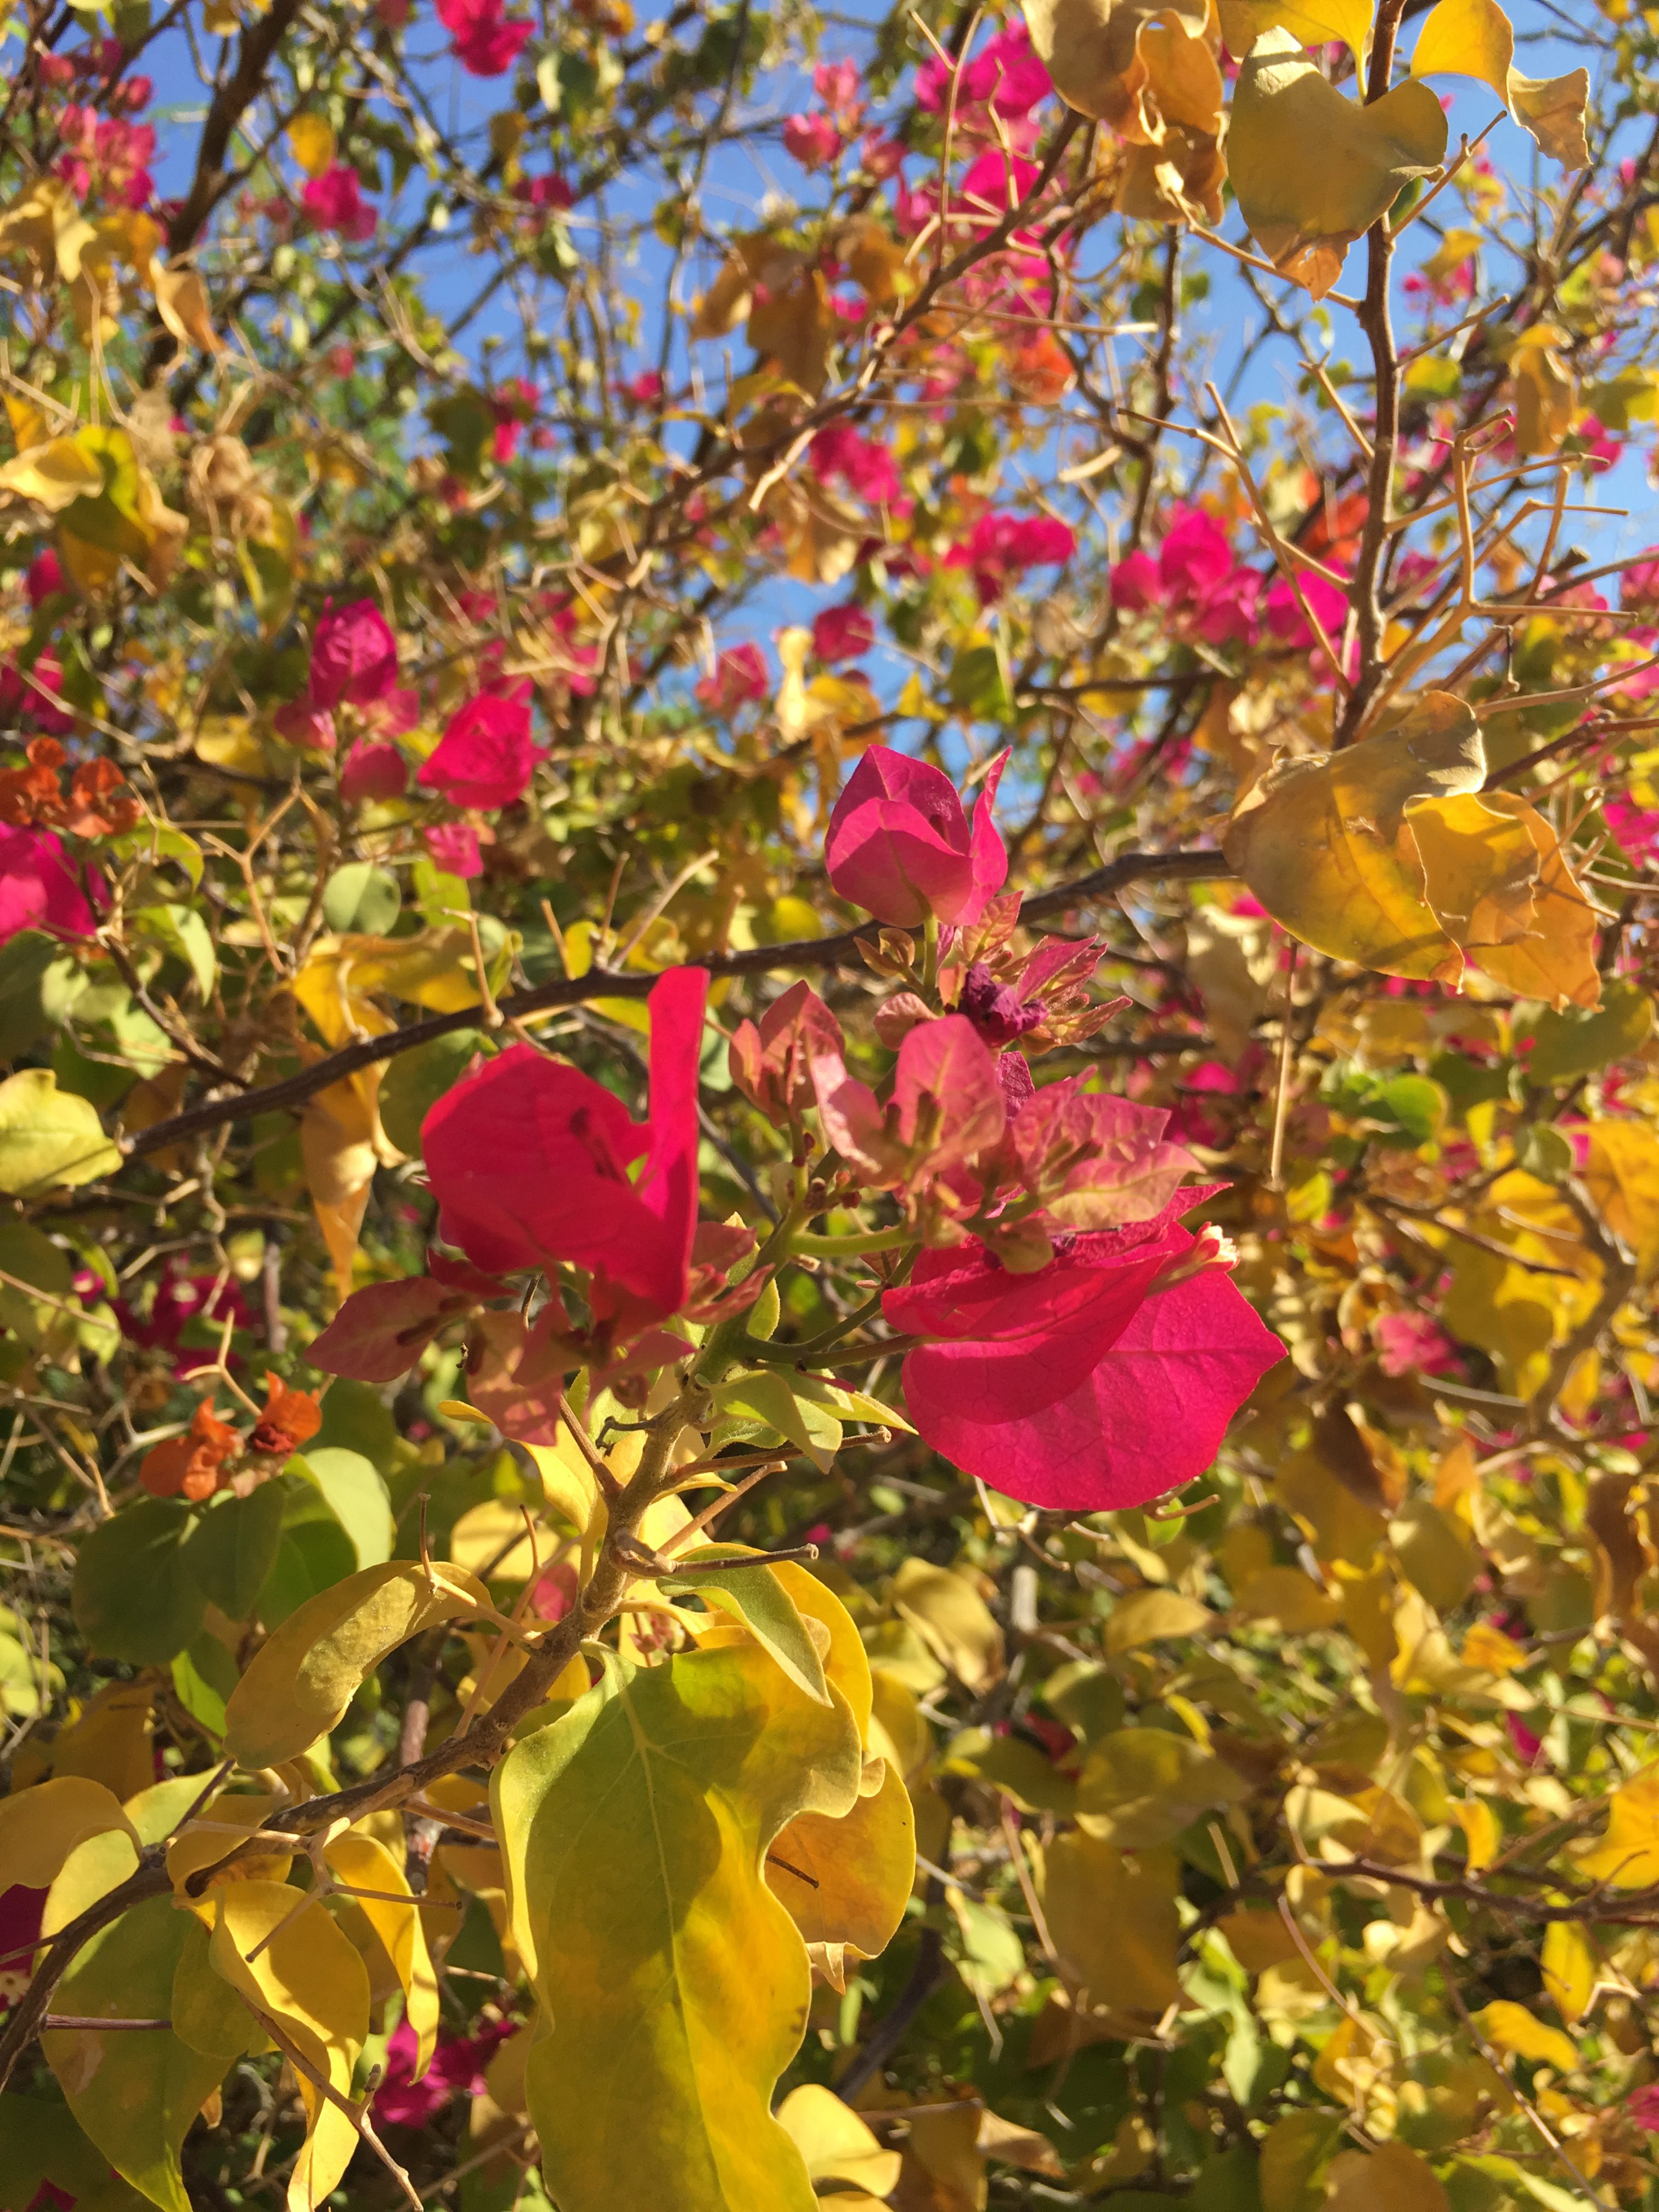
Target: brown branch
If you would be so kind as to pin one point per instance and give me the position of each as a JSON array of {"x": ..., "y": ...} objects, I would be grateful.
[
  {"x": 1376, "y": 319},
  {"x": 238, "y": 93},
  {"x": 837, "y": 951}
]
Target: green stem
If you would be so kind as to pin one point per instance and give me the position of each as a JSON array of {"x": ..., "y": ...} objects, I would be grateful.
[
  {"x": 849, "y": 1247},
  {"x": 930, "y": 956}
]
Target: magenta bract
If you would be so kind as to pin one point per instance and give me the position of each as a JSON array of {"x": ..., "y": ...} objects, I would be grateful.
[{"x": 900, "y": 844}]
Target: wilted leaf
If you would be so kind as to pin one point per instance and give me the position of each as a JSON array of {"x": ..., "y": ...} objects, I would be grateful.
[
  {"x": 1133, "y": 64},
  {"x": 1313, "y": 170},
  {"x": 669, "y": 1979},
  {"x": 181, "y": 301},
  {"x": 49, "y": 1139},
  {"x": 51, "y": 475},
  {"x": 301, "y": 1680},
  {"x": 1475, "y": 38}
]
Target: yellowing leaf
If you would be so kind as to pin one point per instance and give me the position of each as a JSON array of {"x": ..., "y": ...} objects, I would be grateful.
[
  {"x": 756, "y": 1597},
  {"x": 1285, "y": 1598},
  {"x": 310, "y": 1981},
  {"x": 835, "y": 2142},
  {"x": 51, "y": 475},
  {"x": 1545, "y": 389},
  {"x": 671, "y": 1980},
  {"x": 1556, "y": 962},
  {"x": 47, "y": 226},
  {"x": 1316, "y": 23},
  {"x": 1141, "y": 1786},
  {"x": 1475, "y": 38},
  {"x": 301, "y": 1679},
  {"x": 49, "y": 1139},
  {"x": 362, "y": 1864},
  {"x": 1148, "y": 1616},
  {"x": 952, "y": 1619},
  {"x": 181, "y": 301},
  {"x": 1483, "y": 1837},
  {"x": 311, "y": 141},
  {"x": 1114, "y": 1923},
  {"x": 1511, "y": 2027},
  {"x": 39, "y": 1827},
  {"x": 1313, "y": 170},
  {"x": 1628, "y": 1856},
  {"x": 339, "y": 1133},
  {"x": 1570, "y": 1969},
  {"x": 134, "y": 2093},
  {"x": 1393, "y": 2178},
  {"x": 845, "y": 1881}
]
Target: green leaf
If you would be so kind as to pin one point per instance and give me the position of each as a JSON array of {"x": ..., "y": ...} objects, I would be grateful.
[
  {"x": 356, "y": 1494},
  {"x": 24, "y": 962},
  {"x": 233, "y": 1548},
  {"x": 185, "y": 933},
  {"x": 28, "y": 1254},
  {"x": 768, "y": 1396},
  {"x": 755, "y": 1596},
  {"x": 202, "y": 1679},
  {"x": 671, "y": 1982},
  {"x": 41, "y": 2142},
  {"x": 49, "y": 1138},
  {"x": 134, "y": 1597},
  {"x": 415, "y": 1081},
  {"x": 155, "y": 841},
  {"x": 315, "y": 1552},
  {"x": 1559, "y": 1047},
  {"x": 361, "y": 897},
  {"x": 301, "y": 1680},
  {"x": 135, "y": 2093}
]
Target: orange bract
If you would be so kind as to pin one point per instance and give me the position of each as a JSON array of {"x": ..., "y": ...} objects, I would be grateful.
[
  {"x": 291, "y": 1418},
  {"x": 189, "y": 1466}
]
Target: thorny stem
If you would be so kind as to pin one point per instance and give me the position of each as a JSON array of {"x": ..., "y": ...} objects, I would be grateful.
[{"x": 1376, "y": 319}]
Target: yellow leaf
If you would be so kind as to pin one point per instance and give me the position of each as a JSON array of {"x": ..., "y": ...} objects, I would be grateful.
[
  {"x": 671, "y": 1980},
  {"x": 309, "y": 1979},
  {"x": 845, "y": 1883},
  {"x": 1432, "y": 1554},
  {"x": 362, "y": 1864},
  {"x": 53, "y": 475},
  {"x": 1141, "y": 1786},
  {"x": 835, "y": 2142},
  {"x": 1628, "y": 1856},
  {"x": 1114, "y": 1923},
  {"x": 1511, "y": 2027},
  {"x": 113, "y": 1741},
  {"x": 224, "y": 1825},
  {"x": 1314, "y": 171},
  {"x": 49, "y": 1139},
  {"x": 1393, "y": 2179},
  {"x": 1326, "y": 845},
  {"x": 1482, "y": 869},
  {"x": 1622, "y": 1177},
  {"x": 952, "y": 1619},
  {"x": 39, "y": 1827},
  {"x": 1148, "y": 1616},
  {"x": 311, "y": 141},
  {"x": 301, "y": 1679},
  {"x": 47, "y": 225},
  {"x": 1316, "y": 23},
  {"x": 1466, "y": 38},
  {"x": 1285, "y": 1598},
  {"x": 1545, "y": 389},
  {"x": 181, "y": 301},
  {"x": 339, "y": 1131},
  {"x": 1483, "y": 1837},
  {"x": 791, "y": 323},
  {"x": 1570, "y": 1969},
  {"x": 1556, "y": 962}
]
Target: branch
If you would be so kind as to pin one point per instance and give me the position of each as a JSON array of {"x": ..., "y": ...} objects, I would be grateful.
[{"x": 841, "y": 951}]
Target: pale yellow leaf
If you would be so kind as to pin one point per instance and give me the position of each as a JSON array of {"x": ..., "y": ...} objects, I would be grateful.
[
  {"x": 362, "y": 1864},
  {"x": 835, "y": 2142},
  {"x": 181, "y": 301},
  {"x": 1570, "y": 1969},
  {"x": 1150, "y": 1615},
  {"x": 1511, "y": 2027},
  {"x": 39, "y": 1827},
  {"x": 952, "y": 1619},
  {"x": 1314, "y": 23}
]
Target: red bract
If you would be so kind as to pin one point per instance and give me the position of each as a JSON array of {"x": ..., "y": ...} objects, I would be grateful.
[
  {"x": 487, "y": 43},
  {"x": 354, "y": 657},
  {"x": 485, "y": 757},
  {"x": 529, "y": 1160},
  {"x": 899, "y": 844},
  {"x": 373, "y": 771},
  {"x": 1084, "y": 1385},
  {"x": 772, "y": 1064},
  {"x": 842, "y": 633},
  {"x": 334, "y": 201},
  {"x": 39, "y": 890}
]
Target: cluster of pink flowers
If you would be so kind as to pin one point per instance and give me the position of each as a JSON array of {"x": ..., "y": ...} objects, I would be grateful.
[
  {"x": 840, "y": 453},
  {"x": 739, "y": 677},
  {"x": 1197, "y": 581},
  {"x": 815, "y": 140},
  {"x": 1006, "y": 80},
  {"x": 335, "y": 202},
  {"x": 486, "y": 40},
  {"x": 1000, "y": 548},
  {"x": 514, "y": 405},
  {"x": 106, "y": 155},
  {"x": 543, "y": 197}
]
